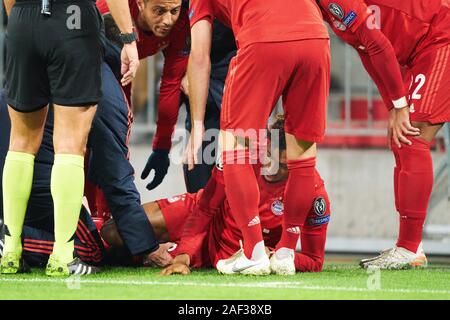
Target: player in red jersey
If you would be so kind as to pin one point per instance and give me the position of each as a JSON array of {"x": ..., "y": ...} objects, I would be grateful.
[
  {"x": 162, "y": 25},
  {"x": 283, "y": 50},
  {"x": 204, "y": 230},
  {"x": 413, "y": 35}
]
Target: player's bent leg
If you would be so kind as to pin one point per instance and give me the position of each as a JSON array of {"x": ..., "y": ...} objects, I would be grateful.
[
  {"x": 237, "y": 167},
  {"x": 25, "y": 139},
  {"x": 71, "y": 129},
  {"x": 301, "y": 162},
  {"x": 305, "y": 101},
  {"x": 415, "y": 183}
]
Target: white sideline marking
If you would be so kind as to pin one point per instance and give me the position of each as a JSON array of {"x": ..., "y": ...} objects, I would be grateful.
[{"x": 276, "y": 285}]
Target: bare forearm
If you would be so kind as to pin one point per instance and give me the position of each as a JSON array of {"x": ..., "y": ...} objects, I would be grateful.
[
  {"x": 8, "y": 5},
  {"x": 120, "y": 11},
  {"x": 198, "y": 76}
]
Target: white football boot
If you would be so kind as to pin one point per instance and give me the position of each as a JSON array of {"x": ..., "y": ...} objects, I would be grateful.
[
  {"x": 382, "y": 253},
  {"x": 238, "y": 263},
  {"x": 398, "y": 258},
  {"x": 282, "y": 262}
]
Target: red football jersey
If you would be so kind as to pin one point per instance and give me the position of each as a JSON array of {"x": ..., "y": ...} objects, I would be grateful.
[
  {"x": 412, "y": 26},
  {"x": 261, "y": 20},
  {"x": 175, "y": 48}
]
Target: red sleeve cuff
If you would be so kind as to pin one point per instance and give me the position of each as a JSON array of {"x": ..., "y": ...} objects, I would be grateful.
[
  {"x": 163, "y": 137},
  {"x": 199, "y": 18}
]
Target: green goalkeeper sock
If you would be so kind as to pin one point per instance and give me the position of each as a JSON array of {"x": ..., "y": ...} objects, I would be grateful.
[
  {"x": 17, "y": 182},
  {"x": 67, "y": 187}
]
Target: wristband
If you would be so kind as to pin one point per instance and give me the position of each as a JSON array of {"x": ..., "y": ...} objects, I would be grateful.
[
  {"x": 127, "y": 38},
  {"x": 400, "y": 103}
]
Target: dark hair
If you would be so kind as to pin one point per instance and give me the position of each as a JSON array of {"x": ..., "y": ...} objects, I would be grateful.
[{"x": 278, "y": 125}]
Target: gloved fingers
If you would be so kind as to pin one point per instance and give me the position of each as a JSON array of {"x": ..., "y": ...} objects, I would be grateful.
[
  {"x": 148, "y": 167},
  {"x": 156, "y": 181}
]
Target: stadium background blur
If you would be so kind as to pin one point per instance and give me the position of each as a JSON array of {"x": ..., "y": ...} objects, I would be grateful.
[{"x": 354, "y": 159}]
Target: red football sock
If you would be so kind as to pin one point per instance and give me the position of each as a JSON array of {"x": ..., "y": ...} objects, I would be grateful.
[
  {"x": 242, "y": 191},
  {"x": 415, "y": 183},
  {"x": 299, "y": 197},
  {"x": 397, "y": 170}
]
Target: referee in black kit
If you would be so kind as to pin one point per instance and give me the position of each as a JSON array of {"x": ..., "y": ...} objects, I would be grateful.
[{"x": 54, "y": 55}]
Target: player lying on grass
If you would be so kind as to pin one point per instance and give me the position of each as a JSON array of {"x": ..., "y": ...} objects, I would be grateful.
[
  {"x": 204, "y": 230},
  {"x": 200, "y": 224},
  {"x": 413, "y": 35}
]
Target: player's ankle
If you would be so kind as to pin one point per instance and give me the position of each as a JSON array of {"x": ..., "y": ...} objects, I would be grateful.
[
  {"x": 408, "y": 245},
  {"x": 258, "y": 252}
]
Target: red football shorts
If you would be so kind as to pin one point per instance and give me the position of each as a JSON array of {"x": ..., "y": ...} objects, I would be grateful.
[
  {"x": 263, "y": 72},
  {"x": 429, "y": 82}
]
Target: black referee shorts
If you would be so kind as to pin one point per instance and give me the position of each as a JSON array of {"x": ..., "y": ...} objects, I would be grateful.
[{"x": 53, "y": 59}]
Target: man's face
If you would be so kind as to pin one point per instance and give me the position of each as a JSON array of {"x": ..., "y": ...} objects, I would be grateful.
[{"x": 159, "y": 16}]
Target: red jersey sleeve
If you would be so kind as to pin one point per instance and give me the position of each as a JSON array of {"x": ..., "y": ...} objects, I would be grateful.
[
  {"x": 102, "y": 6},
  {"x": 381, "y": 63},
  {"x": 197, "y": 225},
  {"x": 201, "y": 10},
  {"x": 368, "y": 65},
  {"x": 347, "y": 18},
  {"x": 349, "y": 13},
  {"x": 175, "y": 66}
]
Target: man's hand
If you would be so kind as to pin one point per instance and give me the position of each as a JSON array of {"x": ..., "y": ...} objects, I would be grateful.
[
  {"x": 130, "y": 62},
  {"x": 160, "y": 257},
  {"x": 158, "y": 161},
  {"x": 180, "y": 266},
  {"x": 194, "y": 145},
  {"x": 185, "y": 85},
  {"x": 402, "y": 127},
  {"x": 390, "y": 128}
]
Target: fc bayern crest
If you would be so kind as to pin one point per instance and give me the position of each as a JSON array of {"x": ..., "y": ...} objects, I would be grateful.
[
  {"x": 277, "y": 208},
  {"x": 320, "y": 206},
  {"x": 336, "y": 10}
]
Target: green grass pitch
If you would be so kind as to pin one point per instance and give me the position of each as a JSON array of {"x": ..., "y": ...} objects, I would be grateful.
[{"x": 337, "y": 281}]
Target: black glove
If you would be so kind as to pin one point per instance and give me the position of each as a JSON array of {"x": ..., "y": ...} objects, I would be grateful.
[{"x": 158, "y": 161}]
